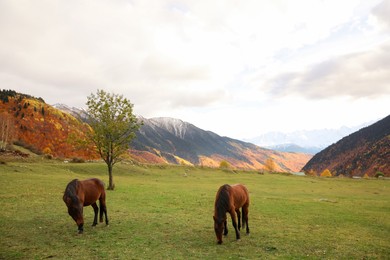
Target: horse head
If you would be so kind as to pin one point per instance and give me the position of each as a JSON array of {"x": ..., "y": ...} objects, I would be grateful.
[
  {"x": 219, "y": 224},
  {"x": 75, "y": 206},
  {"x": 75, "y": 209}
]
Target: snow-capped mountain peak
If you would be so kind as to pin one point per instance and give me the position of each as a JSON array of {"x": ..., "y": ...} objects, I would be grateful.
[
  {"x": 76, "y": 112},
  {"x": 172, "y": 125}
]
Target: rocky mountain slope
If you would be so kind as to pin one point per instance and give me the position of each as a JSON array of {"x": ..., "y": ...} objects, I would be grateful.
[
  {"x": 180, "y": 142},
  {"x": 80, "y": 114},
  {"x": 366, "y": 151}
]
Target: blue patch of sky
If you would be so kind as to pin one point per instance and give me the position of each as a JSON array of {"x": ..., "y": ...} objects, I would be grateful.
[
  {"x": 178, "y": 7},
  {"x": 350, "y": 32}
]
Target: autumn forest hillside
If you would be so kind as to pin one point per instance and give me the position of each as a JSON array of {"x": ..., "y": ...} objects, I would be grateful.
[
  {"x": 43, "y": 129},
  {"x": 365, "y": 152}
]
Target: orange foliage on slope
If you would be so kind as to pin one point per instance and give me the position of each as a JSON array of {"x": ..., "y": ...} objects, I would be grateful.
[
  {"x": 146, "y": 157},
  {"x": 284, "y": 162},
  {"x": 46, "y": 129}
]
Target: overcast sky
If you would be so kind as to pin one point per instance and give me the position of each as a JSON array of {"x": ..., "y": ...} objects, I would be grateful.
[{"x": 237, "y": 68}]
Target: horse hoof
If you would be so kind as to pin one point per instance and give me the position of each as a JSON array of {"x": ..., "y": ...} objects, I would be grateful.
[{"x": 219, "y": 242}]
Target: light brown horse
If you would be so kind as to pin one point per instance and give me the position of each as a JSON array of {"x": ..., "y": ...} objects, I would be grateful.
[
  {"x": 79, "y": 194},
  {"x": 230, "y": 198}
]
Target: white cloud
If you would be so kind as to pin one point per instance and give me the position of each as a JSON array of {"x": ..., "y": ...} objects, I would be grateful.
[
  {"x": 191, "y": 58},
  {"x": 381, "y": 13},
  {"x": 357, "y": 75}
]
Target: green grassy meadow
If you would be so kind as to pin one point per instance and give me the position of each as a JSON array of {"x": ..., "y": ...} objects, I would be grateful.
[{"x": 165, "y": 212}]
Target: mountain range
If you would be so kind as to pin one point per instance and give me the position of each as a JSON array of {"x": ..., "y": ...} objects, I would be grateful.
[
  {"x": 348, "y": 151},
  {"x": 60, "y": 131},
  {"x": 181, "y": 142},
  {"x": 170, "y": 140}
]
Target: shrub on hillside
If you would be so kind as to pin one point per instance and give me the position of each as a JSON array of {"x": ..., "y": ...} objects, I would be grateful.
[
  {"x": 47, "y": 150},
  {"x": 379, "y": 175},
  {"x": 77, "y": 160},
  {"x": 326, "y": 173},
  {"x": 224, "y": 165},
  {"x": 48, "y": 156},
  {"x": 311, "y": 173},
  {"x": 270, "y": 165}
]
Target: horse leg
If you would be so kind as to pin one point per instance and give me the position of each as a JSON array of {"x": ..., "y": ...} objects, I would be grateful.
[
  {"x": 239, "y": 218},
  {"x": 103, "y": 209},
  {"x": 243, "y": 221},
  {"x": 81, "y": 228},
  {"x": 95, "y": 209},
  {"x": 226, "y": 231},
  {"x": 234, "y": 222},
  {"x": 80, "y": 224},
  {"x": 105, "y": 214},
  {"x": 245, "y": 212},
  {"x": 80, "y": 221}
]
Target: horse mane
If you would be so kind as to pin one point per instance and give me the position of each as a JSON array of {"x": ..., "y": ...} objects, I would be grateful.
[
  {"x": 222, "y": 202},
  {"x": 71, "y": 190}
]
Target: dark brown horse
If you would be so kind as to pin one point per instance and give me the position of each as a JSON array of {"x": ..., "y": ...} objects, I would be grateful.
[
  {"x": 230, "y": 198},
  {"x": 79, "y": 194}
]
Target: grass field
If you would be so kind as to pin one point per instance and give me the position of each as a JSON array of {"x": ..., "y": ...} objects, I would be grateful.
[{"x": 165, "y": 212}]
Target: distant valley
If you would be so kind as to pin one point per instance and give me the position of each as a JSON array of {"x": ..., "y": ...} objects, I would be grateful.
[
  {"x": 293, "y": 148},
  {"x": 303, "y": 141}
]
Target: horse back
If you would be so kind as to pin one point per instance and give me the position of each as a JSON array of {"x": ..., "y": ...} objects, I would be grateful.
[
  {"x": 91, "y": 190},
  {"x": 240, "y": 195}
]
